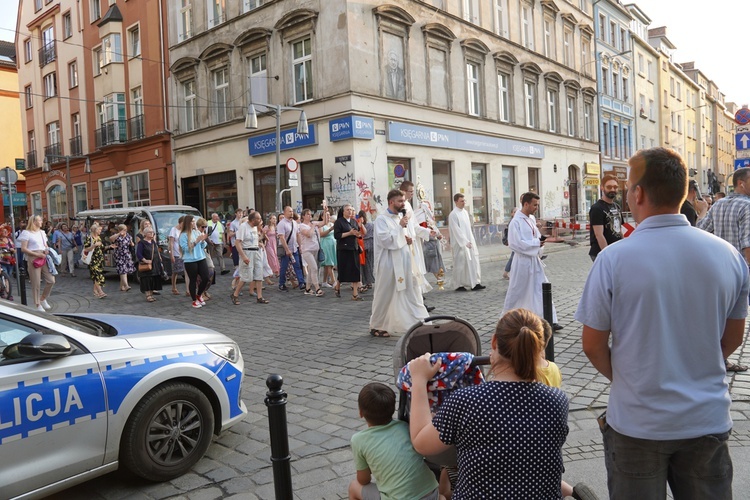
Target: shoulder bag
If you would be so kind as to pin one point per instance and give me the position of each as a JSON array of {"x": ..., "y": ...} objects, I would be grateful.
[
  {"x": 321, "y": 253},
  {"x": 144, "y": 267},
  {"x": 280, "y": 252},
  {"x": 86, "y": 256}
]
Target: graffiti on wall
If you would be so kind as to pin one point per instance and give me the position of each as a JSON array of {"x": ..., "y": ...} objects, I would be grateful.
[
  {"x": 367, "y": 200},
  {"x": 551, "y": 205}
]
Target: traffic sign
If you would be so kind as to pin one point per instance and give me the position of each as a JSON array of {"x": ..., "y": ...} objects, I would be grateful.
[
  {"x": 742, "y": 141},
  {"x": 292, "y": 165},
  {"x": 742, "y": 162},
  {"x": 13, "y": 189},
  {"x": 742, "y": 116},
  {"x": 20, "y": 164},
  {"x": 741, "y": 129},
  {"x": 745, "y": 153},
  {"x": 8, "y": 176}
]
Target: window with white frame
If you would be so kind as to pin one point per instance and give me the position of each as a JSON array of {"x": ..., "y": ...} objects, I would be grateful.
[
  {"x": 568, "y": 46},
  {"x": 136, "y": 100},
  {"x": 67, "y": 26},
  {"x": 111, "y": 49},
  {"x": 75, "y": 121},
  {"x": 650, "y": 70},
  {"x": 615, "y": 83},
  {"x": 220, "y": 82},
  {"x": 95, "y": 10},
  {"x": 504, "y": 97},
  {"x": 529, "y": 89},
  {"x": 613, "y": 34},
  {"x": 673, "y": 120},
  {"x": 439, "y": 77},
  {"x": 37, "y": 5},
  {"x": 32, "y": 141},
  {"x": 605, "y": 139},
  {"x": 642, "y": 104},
  {"x": 28, "y": 54},
  {"x": 571, "y": 113},
  {"x": 258, "y": 77},
  {"x": 501, "y": 17},
  {"x": 623, "y": 39},
  {"x": 527, "y": 25},
  {"x": 641, "y": 63},
  {"x": 679, "y": 124},
  {"x": 73, "y": 74},
  {"x": 643, "y": 142},
  {"x": 216, "y": 9},
  {"x": 36, "y": 203},
  {"x": 585, "y": 54},
  {"x": 651, "y": 109},
  {"x": 189, "y": 113},
  {"x": 679, "y": 91},
  {"x": 549, "y": 36},
  {"x": 471, "y": 11},
  {"x": 134, "y": 41},
  {"x": 473, "y": 88},
  {"x": 127, "y": 191},
  {"x": 80, "y": 197},
  {"x": 184, "y": 20},
  {"x": 602, "y": 28},
  {"x": 53, "y": 136},
  {"x": 552, "y": 110},
  {"x": 248, "y": 5},
  {"x": 50, "y": 85},
  {"x": 302, "y": 70},
  {"x": 29, "y": 96},
  {"x": 616, "y": 140},
  {"x": 96, "y": 54},
  {"x": 625, "y": 88}
]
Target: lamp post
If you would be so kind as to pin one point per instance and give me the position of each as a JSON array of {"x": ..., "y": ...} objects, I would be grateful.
[
  {"x": 251, "y": 122},
  {"x": 68, "y": 185}
]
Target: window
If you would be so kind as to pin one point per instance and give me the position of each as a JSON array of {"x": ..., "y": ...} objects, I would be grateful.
[
  {"x": 602, "y": 28},
  {"x": 549, "y": 37},
  {"x": 439, "y": 81},
  {"x": 616, "y": 141},
  {"x": 443, "y": 189},
  {"x": 50, "y": 85},
  {"x": 471, "y": 11},
  {"x": 650, "y": 67},
  {"x": 184, "y": 20},
  {"x": 95, "y": 10},
  {"x": 568, "y": 47},
  {"x": 136, "y": 191},
  {"x": 27, "y": 52},
  {"x": 626, "y": 142},
  {"x": 643, "y": 142},
  {"x": 188, "y": 90},
  {"x": 215, "y": 12},
  {"x": 552, "y": 110},
  {"x": 67, "y": 26},
  {"x": 605, "y": 139},
  {"x": 258, "y": 78},
  {"x": 37, "y": 5},
  {"x": 80, "y": 197},
  {"x": 666, "y": 99},
  {"x": 53, "y": 135},
  {"x": 112, "y": 121},
  {"x": 642, "y": 104},
  {"x": 73, "y": 74},
  {"x": 641, "y": 63},
  {"x": 248, "y": 5},
  {"x": 509, "y": 191},
  {"x": 134, "y": 41},
  {"x": 29, "y": 96},
  {"x": 96, "y": 54},
  {"x": 679, "y": 124},
  {"x": 302, "y": 70},
  {"x": 530, "y": 103},
  {"x": 605, "y": 80},
  {"x": 480, "y": 202},
  {"x": 527, "y": 26},
  {"x": 623, "y": 39},
  {"x": 588, "y": 120},
  {"x": 625, "y": 91},
  {"x": 503, "y": 85},
  {"x": 57, "y": 203},
  {"x": 585, "y": 51},
  {"x": 571, "y": 112},
  {"x": 671, "y": 86},
  {"x": 36, "y": 203},
  {"x": 136, "y": 100},
  {"x": 679, "y": 91},
  {"x": 47, "y": 54},
  {"x": 112, "y": 49},
  {"x": 501, "y": 17},
  {"x": 615, "y": 84},
  {"x": 473, "y": 88},
  {"x": 220, "y": 79},
  {"x": 612, "y": 33},
  {"x": 76, "y": 147},
  {"x": 673, "y": 120}
]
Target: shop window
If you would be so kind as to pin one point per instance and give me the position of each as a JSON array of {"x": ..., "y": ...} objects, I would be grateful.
[
  {"x": 479, "y": 206},
  {"x": 312, "y": 184},
  {"x": 265, "y": 191},
  {"x": 399, "y": 170},
  {"x": 509, "y": 191},
  {"x": 221, "y": 193},
  {"x": 443, "y": 190}
]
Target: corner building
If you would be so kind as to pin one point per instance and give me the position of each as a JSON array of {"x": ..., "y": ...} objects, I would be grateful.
[{"x": 490, "y": 99}]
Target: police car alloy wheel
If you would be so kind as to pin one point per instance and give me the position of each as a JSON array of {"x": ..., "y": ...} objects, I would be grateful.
[{"x": 168, "y": 432}]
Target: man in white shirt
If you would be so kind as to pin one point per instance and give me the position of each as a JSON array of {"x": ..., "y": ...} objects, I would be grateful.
[
  {"x": 251, "y": 263},
  {"x": 286, "y": 235},
  {"x": 216, "y": 241},
  {"x": 175, "y": 257},
  {"x": 466, "y": 271}
]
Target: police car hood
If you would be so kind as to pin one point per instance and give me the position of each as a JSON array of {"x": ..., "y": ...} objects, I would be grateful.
[{"x": 144, "y": 332}]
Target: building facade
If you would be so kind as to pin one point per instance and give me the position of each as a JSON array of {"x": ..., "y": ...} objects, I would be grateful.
[
  {"x": 646, "y": 85},
  {"x": 490, "y": 99},
  {"x": 11, "y": 144},
  {"x": 94, "y": 105}
]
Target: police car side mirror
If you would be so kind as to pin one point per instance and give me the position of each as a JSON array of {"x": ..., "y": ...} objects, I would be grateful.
[{"x": 39, "y": 345}]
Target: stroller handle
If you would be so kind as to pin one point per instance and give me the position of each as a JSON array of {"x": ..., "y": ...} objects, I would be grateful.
[
  {"x": 441, "y": 317},
  {"x": 480, "y": 360}
]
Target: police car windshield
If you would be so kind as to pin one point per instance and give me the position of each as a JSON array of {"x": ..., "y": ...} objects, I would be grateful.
[{"x": 83, "y": 325}]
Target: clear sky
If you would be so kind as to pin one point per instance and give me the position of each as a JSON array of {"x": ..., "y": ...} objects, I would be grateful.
[{"x": 695, "y": 27}]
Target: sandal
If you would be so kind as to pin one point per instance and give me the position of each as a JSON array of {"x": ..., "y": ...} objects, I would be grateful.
[
  {"x": 337, "y": 292},
  {"x": 379, "y": 333},
  {"x": 357, "y": 298},
  {"x": 319, "y": 293},
  {"x": 175, "y": 292},
  {"x": 261, "y": 300},
  {"x": 734, "y": 367},
  {"x": 362, "y": 289},
  {"x": 150, "y": 299},
  {"x": 235, "y": 299}
]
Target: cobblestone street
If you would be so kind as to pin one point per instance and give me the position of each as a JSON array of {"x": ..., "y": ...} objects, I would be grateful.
[{"x": 322, "y": 349}]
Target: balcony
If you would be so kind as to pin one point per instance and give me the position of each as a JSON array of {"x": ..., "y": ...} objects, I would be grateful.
[
  {"x": 76, "y": 146},
  {"x": 52, "y": 151},
  {"x": 31, "y": 160},
  {"x": 137, "y": 128},
  {"x": 47, "y": 53},
  {"x": 112, "y": 132}
]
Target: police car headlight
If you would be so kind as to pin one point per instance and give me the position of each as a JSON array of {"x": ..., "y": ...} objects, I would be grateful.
[{"x": 230, "y": 352}]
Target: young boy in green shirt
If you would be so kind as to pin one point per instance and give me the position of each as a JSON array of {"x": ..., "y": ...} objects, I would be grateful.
[{"x": 384, "y": 451}]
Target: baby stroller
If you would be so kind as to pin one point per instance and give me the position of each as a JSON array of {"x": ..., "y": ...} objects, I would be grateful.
[
  {"x": 435, "y": 334},
  {"x": 6, "y": 292}
]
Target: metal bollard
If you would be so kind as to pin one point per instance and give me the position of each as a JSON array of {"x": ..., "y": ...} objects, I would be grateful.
[
  {"x": 280, "y": 458},
  {"x": 21, "y": 274},
  {"x": 547, "y": 303}
]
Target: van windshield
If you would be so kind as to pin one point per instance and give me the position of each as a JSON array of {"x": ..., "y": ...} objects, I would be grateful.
[{"x": 165, "y": 221}]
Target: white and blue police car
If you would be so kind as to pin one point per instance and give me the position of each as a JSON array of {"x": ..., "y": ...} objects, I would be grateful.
[{"x": 82, "y": 394}]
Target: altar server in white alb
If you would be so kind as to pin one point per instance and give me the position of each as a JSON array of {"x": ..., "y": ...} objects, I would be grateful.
[
  {"x": 527, "y": 272},
  {"x": 418, "y": 234},
  {"x": 397, "y": 303},
  {"x": 466, "y": 271}
]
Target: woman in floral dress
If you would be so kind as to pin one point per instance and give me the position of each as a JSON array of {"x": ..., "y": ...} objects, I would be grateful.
[
  {"x": 272, "y": 257},
  {"x": 93, "y": 243},
  {"x": 123, "y": 242}
]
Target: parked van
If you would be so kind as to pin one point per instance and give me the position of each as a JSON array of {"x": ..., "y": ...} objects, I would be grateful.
[{"x": 162, "y": 217}]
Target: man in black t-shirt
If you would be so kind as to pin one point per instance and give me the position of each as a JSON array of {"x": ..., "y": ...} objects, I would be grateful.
[
  {"x": 694, "y": 207},
  {"x": 605, "y": 218}
]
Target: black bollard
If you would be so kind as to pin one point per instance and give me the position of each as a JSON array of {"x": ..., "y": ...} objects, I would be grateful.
[
  {"x": 547, "y": 303},
  {"x": 21, "y": 273},
  {"x": 280, "y": 459}
]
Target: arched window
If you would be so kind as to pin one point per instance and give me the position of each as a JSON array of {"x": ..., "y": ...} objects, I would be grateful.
[{"x": 57, "y": 203}]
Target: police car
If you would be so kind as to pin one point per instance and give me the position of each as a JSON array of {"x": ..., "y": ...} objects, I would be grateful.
[{"x": 82, "y": 394}]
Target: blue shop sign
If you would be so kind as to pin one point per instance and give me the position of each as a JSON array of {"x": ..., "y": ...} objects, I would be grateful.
[
  {"x": 19, "y": 200},
  {"x": 351, "y": 127},
  {"x": 448, "y": 139},
  {"x": 290, "y": 139}
]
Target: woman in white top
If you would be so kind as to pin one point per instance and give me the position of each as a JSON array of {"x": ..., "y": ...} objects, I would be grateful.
[
  {"x": 34, "y": 246},
  {"x": 309, "y": 244}
]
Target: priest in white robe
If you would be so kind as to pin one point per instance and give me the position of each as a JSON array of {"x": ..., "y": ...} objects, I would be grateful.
[
  {"x": 418, "y": 234},
  {"x": 397, "y": 302},
  {"x": 527, "y": 272},
  {"x": 466, "y": 271}
]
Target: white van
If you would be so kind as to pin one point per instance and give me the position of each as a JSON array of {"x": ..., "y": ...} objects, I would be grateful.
[{"x": 162, "y": 217}]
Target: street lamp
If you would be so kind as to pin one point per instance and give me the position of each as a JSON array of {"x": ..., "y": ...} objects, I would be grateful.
[
  {"x": 68, "y": 185},
  {"x": 251, "y": 122}
]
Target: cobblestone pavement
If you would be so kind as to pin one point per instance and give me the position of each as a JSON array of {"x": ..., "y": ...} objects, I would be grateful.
[{"x": 322, "y": 349}]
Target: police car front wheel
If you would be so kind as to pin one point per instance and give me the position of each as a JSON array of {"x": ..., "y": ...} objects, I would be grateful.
[{"x": 168, "y": 432}]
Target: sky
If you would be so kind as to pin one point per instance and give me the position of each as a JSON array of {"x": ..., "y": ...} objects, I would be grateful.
[{"x": 696, "y": 27}]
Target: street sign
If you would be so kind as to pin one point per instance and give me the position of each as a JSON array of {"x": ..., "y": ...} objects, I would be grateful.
[
  {"x": 13, "y": 189},
  {"x": 20, "y": 164},
  {"x": 742, "y": 141},
  {"x": 742, "y": 162},
  {"x": 741, "y": 129},
  {"x": 292, "y": 165},
  {"x": 342, "y": 159},
  {"x": 742, "y": 116},
  {"x": 745, "y": 153},
  {"x": 8, "y": 176}
]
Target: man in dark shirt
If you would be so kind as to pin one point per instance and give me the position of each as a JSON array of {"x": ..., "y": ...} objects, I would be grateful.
[
  {"x": 605, "y": 218},
  {"x": 694, "y": 207}
]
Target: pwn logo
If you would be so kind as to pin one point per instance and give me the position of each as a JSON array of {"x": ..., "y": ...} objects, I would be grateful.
[
  {"x": 433, "y": 137},
  {"x": 289, "y": 138},
  {"x": 335, "y": 127}
]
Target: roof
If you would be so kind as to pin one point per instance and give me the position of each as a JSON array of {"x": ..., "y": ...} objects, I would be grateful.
[
  {"x": 113, "y": 15},
  {"x": 8, "y": 50}
]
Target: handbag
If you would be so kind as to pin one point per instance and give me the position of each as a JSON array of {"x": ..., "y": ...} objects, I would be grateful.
[
  {"x": 39, "y": 262},
  {"x": 86, "y": 257},
  {"x": 144, "y": 267},
  {"x": 321, "y": 253}
]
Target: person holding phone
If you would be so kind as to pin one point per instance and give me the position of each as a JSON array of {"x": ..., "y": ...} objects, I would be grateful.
[{"x": 694, "y": 207}]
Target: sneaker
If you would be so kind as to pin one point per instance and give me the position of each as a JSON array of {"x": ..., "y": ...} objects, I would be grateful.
[
  {"x": 46, "y": 305},
  {"x": 40, "y": 308},
  {"x": 582, "y": 491},
  {"x": 197, "y": 304},
  {"x": 283, "y": 288},
  {"x": 202, "y": 302},
  {"x": 326, "y": 285},
  {"x": 479, "y": 287}
]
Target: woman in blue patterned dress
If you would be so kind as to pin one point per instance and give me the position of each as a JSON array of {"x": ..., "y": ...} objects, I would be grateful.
[{"x": 122, "y": 244}]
